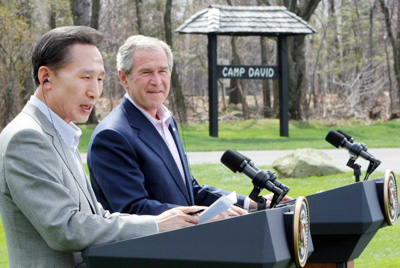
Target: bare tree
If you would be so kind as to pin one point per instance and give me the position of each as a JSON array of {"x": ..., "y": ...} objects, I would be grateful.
[
  {"x": 52, "y": 15},
  {"x": 266, "y": 89},
  {"x": 94, "y": 20},
  {"x": 296, "y": 57},
  {"x": 139, "y": 4},
  {"x": 179, "y": 100},
  {"x": 394, "y": 37},
  {"x": 81, "y": 12},
  {"x": 15, "y": 40},
  {"x": 235, "y": 94}
]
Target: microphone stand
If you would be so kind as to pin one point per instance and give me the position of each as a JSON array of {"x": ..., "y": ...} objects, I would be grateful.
[
  {"x": 261, "y": 201},
  {"x": 371, "y": 167},
  {"x": 356, "y": 167}
]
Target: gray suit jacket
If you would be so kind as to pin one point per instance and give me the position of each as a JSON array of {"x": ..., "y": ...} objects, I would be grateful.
[{"x": 49, "y": 214}]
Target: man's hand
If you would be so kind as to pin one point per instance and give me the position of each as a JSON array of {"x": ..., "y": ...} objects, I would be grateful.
[
  {"x": 285, "y": 198},
  {"x": 253, "y": 204},
  {"x": 178, "y": 218},
  {"x": 233, "y": 211}
]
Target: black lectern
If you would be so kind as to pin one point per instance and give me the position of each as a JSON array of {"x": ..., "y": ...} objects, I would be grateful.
[
  {"x": 345, "y": 219},
  {"x": 258, "y": 239}
]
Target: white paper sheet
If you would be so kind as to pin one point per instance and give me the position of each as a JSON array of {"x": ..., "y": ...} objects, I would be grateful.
[{"x": 219, "y": 206}]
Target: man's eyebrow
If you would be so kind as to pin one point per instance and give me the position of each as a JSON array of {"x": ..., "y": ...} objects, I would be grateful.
[
  {"x": 89, "y": 71},
  {"x": 150, "y": 68}
]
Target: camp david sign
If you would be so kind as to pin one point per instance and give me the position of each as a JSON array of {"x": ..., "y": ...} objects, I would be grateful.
[{"x": 247, "y": 72}]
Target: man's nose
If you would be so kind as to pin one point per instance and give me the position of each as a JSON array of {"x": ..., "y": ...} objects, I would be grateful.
[
  {"x": 95, "y": 90},
  {"x": 155, "y": 79}
]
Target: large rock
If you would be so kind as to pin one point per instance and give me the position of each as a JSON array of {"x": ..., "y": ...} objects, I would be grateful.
[{"x": 306, "y": 163}]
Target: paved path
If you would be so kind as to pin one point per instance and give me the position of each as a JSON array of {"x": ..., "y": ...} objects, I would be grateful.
[{"x": 390, "y": 157}]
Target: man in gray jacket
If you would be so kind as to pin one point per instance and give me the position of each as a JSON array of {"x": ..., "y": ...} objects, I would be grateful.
[{"x": 48, "y": 207}]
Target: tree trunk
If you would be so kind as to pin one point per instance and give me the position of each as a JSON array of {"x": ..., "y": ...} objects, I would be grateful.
[
  {"x": 94, "y": 21},
  {"x": 52, "y": 15},
  {"x": 266, "y": 90},
  {"x": 394, "y": 41},
  {"x": 235, "y": 95},
  {"x": 81, "y": 12},
  {"x": 139, "y": 16},
  {"x": 296, "y": 58},
  {"x": 275, "y": 105},
  {"x": 245, "y": 107},
  {"x": 179, "y": 100}
]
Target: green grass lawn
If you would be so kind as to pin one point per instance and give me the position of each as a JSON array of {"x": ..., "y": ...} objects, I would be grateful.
[
  {"x": 381, "y": 252},
  {"x": 263, "y": 134}
]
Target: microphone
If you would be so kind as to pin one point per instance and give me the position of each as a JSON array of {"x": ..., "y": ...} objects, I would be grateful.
[
  {"x": 351, "y": 140},
  {"x": 261, "y": 178},
  {"x": 355, "y": 149},
  {"x": 347, "y": 136},
  {"x": 270, "y": 173}
]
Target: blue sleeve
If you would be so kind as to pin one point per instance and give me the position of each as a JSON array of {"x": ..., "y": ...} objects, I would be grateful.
[{"x": 206, "y": 194}]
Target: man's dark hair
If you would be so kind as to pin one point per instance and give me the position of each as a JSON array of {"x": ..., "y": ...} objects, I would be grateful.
[{"x": 52, "y": 49}]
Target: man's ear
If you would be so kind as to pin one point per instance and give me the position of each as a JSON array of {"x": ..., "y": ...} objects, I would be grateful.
[
  {"x": 44, "y": 73},
  {"x": 123, "y": 78}
]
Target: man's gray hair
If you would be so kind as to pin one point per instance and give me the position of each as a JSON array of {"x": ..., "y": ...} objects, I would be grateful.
[{"x": 140, "y": 42}]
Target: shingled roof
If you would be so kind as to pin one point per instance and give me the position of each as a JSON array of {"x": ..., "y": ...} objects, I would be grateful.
[{"x": 245, "y": 20}]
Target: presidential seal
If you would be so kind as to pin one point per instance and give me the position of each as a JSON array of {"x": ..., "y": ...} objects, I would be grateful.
[
  {"x": 390, "y": 197},
  {"x": 301, "y": 231}
]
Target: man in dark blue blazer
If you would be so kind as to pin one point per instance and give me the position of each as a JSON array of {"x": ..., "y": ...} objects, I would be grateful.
[{"x": 136, "y": 159}]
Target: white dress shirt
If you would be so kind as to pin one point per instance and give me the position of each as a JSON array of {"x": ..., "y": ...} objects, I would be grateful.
[{"x": 70, "y": 134}]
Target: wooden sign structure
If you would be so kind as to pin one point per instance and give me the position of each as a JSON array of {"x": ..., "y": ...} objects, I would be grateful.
[{"x": 271, "y": 21}]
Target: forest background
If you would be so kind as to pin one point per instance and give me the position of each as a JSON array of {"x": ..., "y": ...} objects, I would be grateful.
[{"x": 349, "y": 69}]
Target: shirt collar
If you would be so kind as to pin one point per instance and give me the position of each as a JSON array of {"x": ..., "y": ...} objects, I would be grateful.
[
  {"x": 69, "y": 132},
  {"x": 163, "y": 113}
]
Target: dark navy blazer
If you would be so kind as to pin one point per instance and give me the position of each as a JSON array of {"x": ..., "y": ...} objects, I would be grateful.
[{"x": 133, "y": 171}]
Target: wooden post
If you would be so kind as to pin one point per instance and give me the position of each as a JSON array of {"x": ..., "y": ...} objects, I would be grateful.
[
  {"x": 212, "y": 84},
  {"x": 283, "y": 86}
]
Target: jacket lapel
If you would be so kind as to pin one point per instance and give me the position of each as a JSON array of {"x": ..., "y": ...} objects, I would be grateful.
[
  {"x": 150, "y": 136},
  {"x": 175, "y": 134},
  {"x": 61, "y": 148}
]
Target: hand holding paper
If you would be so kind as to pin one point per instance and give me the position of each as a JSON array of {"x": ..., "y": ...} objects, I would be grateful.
[{"x": 219, "y": 206}]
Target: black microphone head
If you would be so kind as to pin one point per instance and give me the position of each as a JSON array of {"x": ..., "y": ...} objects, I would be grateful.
[
  {"x": 335, "y": 138},
  {"x": 346, "y": 135},
  {"x": 245, "y": 157},
  {"x": 233, "y": 160}
]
